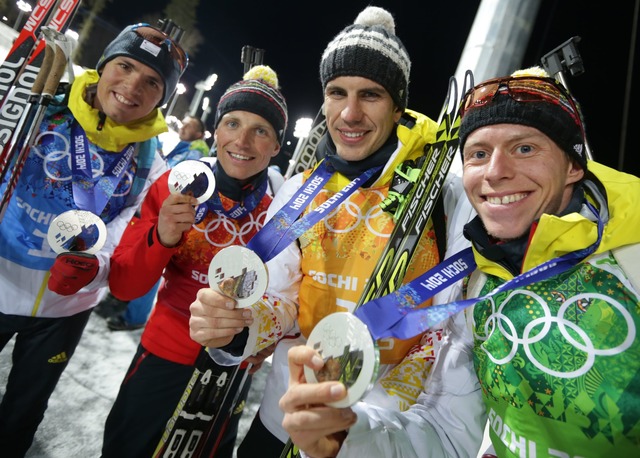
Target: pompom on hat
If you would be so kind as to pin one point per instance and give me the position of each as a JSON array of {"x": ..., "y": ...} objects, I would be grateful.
[
  {"x": 153, "y": 48},
  {"x": 258, "y": 92},
  {"x": 370, "y": 48},
  {"x": 556, "y": 117}
]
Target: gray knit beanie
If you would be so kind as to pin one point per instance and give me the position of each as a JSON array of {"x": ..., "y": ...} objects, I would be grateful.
[
  {"x": 259, "y": 93},
  {"x": 370, "y": 48},
  {"x": 165, "y": 57}
]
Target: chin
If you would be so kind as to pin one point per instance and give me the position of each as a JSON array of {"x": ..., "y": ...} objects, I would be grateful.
[
  {"x": 505, "y": 235},
  {"x": 117, "y": 117}
]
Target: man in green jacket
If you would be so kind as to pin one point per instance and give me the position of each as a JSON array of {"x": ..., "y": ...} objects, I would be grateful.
[{"x": 552, "y": 331}]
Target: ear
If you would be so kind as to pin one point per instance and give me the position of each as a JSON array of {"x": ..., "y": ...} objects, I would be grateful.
[
  {"x": 575, "y": 172},
  {"x": 397, "y": 114},
  {"x": 276, "y": 150}
]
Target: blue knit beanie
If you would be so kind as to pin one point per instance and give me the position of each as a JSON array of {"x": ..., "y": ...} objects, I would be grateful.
[{"x": 155, "y": 50}]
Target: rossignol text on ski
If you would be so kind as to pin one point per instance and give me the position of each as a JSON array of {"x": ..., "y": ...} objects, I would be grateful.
[{"x": 31, "y": 70}]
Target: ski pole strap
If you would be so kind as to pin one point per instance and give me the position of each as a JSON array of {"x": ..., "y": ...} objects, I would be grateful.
[
  {"x": 396, "y": 315},
  {"x": 285, "y": 226},
  {"x": 146, "y": 155}
]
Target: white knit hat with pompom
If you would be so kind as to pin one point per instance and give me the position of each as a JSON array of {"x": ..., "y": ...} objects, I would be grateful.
[{"x": 370, "y": 48}]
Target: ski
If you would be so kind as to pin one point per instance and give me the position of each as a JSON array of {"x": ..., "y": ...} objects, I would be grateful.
[
  {"x": 17, "y": 112},
  {"x": 218, "y": 426},
  {"x": 304, "y": 156},
  {"x": 188, "y": 432},
  {"x": 22, "y": 46},
  {"x": 415, "y": 209}
]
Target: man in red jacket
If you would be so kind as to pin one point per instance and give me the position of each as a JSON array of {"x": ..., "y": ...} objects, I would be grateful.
[{"x": 251, "y": 120}]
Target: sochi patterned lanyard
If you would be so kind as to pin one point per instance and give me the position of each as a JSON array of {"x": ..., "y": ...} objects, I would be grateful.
[
  {"x": 396, "y": 315},
  {"x": 87, "y": 195},
  {"x": 285, "y": 226}
]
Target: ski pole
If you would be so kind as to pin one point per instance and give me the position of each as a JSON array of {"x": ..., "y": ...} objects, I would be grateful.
[
  {"x": 58, "y": 45},
  {"x": 304, "y": 156},
  {"x": 561, "y": 59}
]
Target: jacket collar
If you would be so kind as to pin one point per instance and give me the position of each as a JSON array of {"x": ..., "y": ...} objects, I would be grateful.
[{"x": 613, "y": 193}]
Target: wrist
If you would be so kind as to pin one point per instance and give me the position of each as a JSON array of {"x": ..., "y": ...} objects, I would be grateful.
[{"x": 167, "y": 241}]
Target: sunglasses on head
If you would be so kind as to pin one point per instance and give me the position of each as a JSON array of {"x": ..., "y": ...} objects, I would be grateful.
[
  {"x": 522, "y": 89},
  {"x": 160, "y": 39}
]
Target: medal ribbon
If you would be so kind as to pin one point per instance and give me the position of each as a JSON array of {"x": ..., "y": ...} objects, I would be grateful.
[
  {"x": 87, "y": 195},
  {"x": 249, "y": 203},
  {"x": 285, "y": 226},
  {"x": 396, "y": 315}
]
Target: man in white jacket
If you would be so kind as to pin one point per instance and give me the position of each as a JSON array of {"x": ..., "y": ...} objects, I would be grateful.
[{"x": 365, "y": 74}]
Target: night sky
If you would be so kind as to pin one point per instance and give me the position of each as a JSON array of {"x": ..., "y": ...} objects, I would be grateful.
[{"x": 294, "y": 34}]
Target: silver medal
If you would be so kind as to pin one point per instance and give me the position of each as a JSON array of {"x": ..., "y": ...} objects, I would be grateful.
[
  {"x": 194, "y": 178},
  {"x": 239, "y": 273},
  {"x": 77, "y": 230},
  {"x": 350, "y": 355}
]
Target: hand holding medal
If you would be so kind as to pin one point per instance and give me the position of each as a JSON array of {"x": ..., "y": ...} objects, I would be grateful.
[
  {"x": 236, "y": 271},
  {"x": 192, "y": 177},
  {"x": 349, "y": 353},
  {"x": 77, "y": 231},
  {"x": 75, "y": 235}
]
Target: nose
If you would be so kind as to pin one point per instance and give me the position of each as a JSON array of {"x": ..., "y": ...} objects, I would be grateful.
[
  {"x": 135, "y": 83},
  {"x": 243, "y": 138},
  {"x": 500, "y": 166},
  {"x": 352, "y": 112}
]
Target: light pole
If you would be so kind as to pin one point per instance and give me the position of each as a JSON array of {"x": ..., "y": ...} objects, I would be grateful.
[
  {"x": 206, "y": 109},
  {"x": 302, "y": 128},
  {"x": 24, "y": 7},
  {"x": 201, "y": 88},
  {"x": 300, "y": 131},
  {"x": 180, "y": 89}
]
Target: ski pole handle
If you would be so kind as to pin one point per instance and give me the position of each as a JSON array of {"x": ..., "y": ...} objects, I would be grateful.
[
  {"x": 45, "y": 69},
  {"x": 54, "y": 77}
]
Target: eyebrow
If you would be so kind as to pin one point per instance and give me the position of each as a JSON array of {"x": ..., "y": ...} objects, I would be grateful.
[
  {"x": 136, "y": 65},
  {"x": 372, "y": 88}
]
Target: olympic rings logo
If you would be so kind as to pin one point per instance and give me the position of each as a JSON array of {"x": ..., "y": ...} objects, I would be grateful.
[
  {"x": 354, "y": 210},
  {"x": 538, "y": 329},
  {"x": 65, "y": 226},
  {"x": 220, "y": 224},
  {"x": 181, "y": 176},
  {"x": 57, "y": 161}
]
